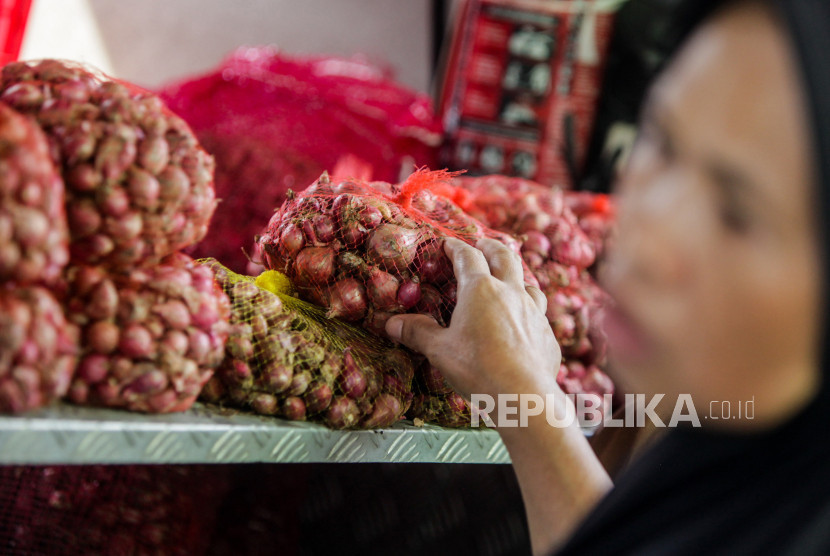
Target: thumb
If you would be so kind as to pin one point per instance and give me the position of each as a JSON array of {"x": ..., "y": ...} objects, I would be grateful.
[{"x": 418, "y": 332}]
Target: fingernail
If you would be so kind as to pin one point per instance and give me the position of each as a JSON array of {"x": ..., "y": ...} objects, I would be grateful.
[{"x": 394, "y": 326}]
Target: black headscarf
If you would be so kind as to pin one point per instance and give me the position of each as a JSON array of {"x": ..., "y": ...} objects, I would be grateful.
[{"x": 699, "y": 491}]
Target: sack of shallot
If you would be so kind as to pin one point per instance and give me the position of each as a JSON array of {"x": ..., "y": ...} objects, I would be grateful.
[
  {"x": 365, "y": 251},
  {"x": 151, "y": 337},
  {"x": 285, "y": 357},
  {"x": 138, "y": 185}
]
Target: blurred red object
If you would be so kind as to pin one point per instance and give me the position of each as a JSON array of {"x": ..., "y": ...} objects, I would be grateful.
[
  {"x": 275, "y": 122},
  {"x": 110, "y": 509},
  {"x": 13, "y": 17}
]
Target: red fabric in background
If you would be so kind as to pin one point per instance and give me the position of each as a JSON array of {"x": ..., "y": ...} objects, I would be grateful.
[
  {"x": 13, "y": 17},
  {"x": 275, "y": 122},
  {"x": 110, "y": 509}
]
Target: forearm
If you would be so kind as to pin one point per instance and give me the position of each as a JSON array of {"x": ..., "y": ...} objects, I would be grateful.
[
  {"x": 499, "y": 341},
  {"x": 560, "y": 477}
]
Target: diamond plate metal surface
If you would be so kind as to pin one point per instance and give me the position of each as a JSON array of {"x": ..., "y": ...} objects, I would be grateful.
[{"x": 70, "y": 434}]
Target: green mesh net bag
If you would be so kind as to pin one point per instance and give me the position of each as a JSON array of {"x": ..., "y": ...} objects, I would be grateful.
[{"x": 285, "y": 357}]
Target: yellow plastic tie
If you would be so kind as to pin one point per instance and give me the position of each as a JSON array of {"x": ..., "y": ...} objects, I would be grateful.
[{"x": 275, "y": 282}]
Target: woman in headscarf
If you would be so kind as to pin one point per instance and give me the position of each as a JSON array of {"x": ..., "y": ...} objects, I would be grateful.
[{"x": 718, "y": 275}]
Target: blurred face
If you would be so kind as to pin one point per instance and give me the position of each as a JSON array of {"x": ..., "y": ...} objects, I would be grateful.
[{"x": 716, "y": 266}]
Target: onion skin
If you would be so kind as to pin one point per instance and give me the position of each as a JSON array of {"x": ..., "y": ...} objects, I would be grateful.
[
  {"x": 393, "y": 385},
  {"x": 314, "y": 266},
  {"x": 393, "y": 247},
  {"x": 318, "y": 397},
  {"x": 432, "y": 264},
  {"x": 343, "y": 413},
  {"x": 214, "y": 391},
  {"x": 347, "y": 300},
  {"x": 279, "y": 378},
  {"x": 136, "y": 342},
  {"x": 102, "y": 337},
  {"x": 400, "y": 363},
  {"x": 409, "y": 294},
  {"x": 456, "y": 403},
  {"x": 93, "y": 368},
  {"x": 299, "y": 384},
  {"x": 294, "y": 408},
  {"x": 324, "y": 228},
  {"x": 352, "y": 381},
  {"x": 387, "y": 410},
  {"x": 431, "y": 303},
  {"x": 353, "y": 233},
  {"x": 309, "y": 233},
  {"x": 536, "y": 242},
  {"x": 382, "y": 288},
  {"x": 450, "y": 293},
  {"x": 292, "y": 240},
  {"x": 370, "y": 217},
  {"x": 376, "y": 322},
  {"x": 265, "y": 404},
  {"x": 564, "y": 328}
]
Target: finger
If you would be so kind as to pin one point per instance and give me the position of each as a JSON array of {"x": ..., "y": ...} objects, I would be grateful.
[
  {"x": 504, "y": 264},
  {"x": 467, "y": 261},
  {"x": 539, "y": 298},
  {"x": 418, "y": 332}
]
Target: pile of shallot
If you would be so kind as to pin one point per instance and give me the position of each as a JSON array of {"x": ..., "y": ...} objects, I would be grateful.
[
  {"x": 562, "y": 234},
  {"x": 367, "y": 251},
  {"x": 100, "y": 187},
  {"x": 37, "y": 349},
  {"x": 37, "y": 345},
  {"x": 151, "y": 336},
  {"x": 138, "y": 185},
  {"x": 284, "y": 357}
]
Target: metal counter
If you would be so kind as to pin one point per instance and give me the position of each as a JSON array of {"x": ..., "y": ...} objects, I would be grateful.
[{"x": 66, "y": 434}]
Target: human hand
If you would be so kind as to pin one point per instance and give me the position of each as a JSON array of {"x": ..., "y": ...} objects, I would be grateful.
[{"x": 499, "y": 340}]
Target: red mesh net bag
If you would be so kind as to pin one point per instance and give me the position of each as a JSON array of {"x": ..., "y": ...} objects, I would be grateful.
[
  {"x": 138, "y": 185},
  {"x": 38, "y": 349},
  {"x": 559, "y": 247},
  {"x": 535, "y": 213},
  {"x": 275, "y": 122},
  {"x": 284, "y": 357},
  {"x": 595, "y": 214},
  {"x": 367, "y": 251},
  {"x": 151, "y": 336},
  {"x": 109, "y": 510},
  {"x": 33, "y": 230}
]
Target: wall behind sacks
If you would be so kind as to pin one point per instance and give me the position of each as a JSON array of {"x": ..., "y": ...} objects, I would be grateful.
[
  {"x": 64, "y": 29},
  {"x": 153, "y": 41}
]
